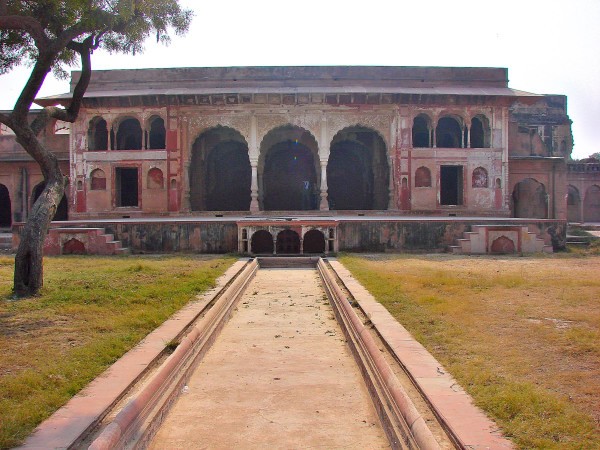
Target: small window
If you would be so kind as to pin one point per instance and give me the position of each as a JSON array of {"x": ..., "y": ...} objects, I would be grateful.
[
  {"x": 422, "y": 177},
  {"x": 98, "y": 180}
]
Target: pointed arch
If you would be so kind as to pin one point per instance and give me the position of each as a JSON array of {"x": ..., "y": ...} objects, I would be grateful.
[
  {"x": 530, "y": 199},
  {"x": 358, "y": 170},
  {"x": 220, "y": 172},
  {"x": 287, "y": 170}
]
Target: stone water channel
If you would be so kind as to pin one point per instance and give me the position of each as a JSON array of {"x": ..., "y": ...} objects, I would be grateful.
[{"x": 280, "y": 375}]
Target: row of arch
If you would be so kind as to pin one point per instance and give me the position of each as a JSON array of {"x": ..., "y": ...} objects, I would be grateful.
[
  {"x": 126, "y": 133},
  {"x": 287, "y": 242},
  {"x": 451, "y": 131},
  {"x": 586, "y": 211},
  {"x": 289, "y": 174},
  {"x": 479, "y": 178}
]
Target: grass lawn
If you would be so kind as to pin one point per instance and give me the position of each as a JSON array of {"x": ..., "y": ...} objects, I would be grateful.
[
  {"x": 90, "y": 312},
  {"x": 521, "y": 334}
]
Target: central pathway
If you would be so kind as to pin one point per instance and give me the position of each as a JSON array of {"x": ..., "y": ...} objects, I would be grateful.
[{"x": 279, "y": 376}]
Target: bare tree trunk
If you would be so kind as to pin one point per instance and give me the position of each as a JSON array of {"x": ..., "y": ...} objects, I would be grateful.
[
  {"x": 29, "y": 270},
  {"x": 28, "y": 277}
]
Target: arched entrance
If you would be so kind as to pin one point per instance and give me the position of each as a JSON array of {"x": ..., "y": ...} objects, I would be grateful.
[
  {"x": 591, "y": 204},
  {"x": 288, "y": 242},
  {"x": 288, "y": 170},
  {"x": 357, "y": 171},
  {"x": 5, "y": 207},
  {"x": 573, "y": 204},
  {"x": 62, "y": 212},
  {"x": 313, "y": 242},
  {"x": 262, "y": 243},
  {"x": 220, "y": 173},
  {"x": 530, "y": 199}
]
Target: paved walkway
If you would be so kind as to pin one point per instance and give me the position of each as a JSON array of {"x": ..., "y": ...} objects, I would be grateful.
[{"x": 279, "y": 376}]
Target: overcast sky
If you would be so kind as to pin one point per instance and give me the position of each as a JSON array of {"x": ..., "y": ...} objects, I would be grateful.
[{"x": 548, "y": 46}]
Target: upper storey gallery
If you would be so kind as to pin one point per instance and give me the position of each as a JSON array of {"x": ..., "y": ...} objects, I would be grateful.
[{"x": 291, "y": 138}]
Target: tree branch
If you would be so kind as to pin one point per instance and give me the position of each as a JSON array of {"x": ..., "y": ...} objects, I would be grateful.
[{"x": 24, "y": 23}]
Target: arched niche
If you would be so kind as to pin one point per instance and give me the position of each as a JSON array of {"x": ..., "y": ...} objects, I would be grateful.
[
  {"x": 155, "y": 179},
  {"x": 479, "y": 178},
  {"x": 220, "y": 172},
  {"x": 358, "y": 171},
  {"x": 97, "y": 180},
  {"x": 573, "y": 204},
  {"x": 530, "y": 199},
  {"x": 422, "y": 177},
  {"x": 591, "y": 204},
  {"x": 287, "y": 170}
]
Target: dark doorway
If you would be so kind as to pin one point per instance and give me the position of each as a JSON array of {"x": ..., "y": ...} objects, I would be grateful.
[
  {"x": 126, "y": 186},
  {"x": 591, "y": 204},
  {"x": 262, "y": 243},
  {"x": 289, "y": 179},
  {"x": 62, "y": 212},
  {"x": 357, "y": 171},
  {"x": 5, "y": 207},
  {"x": 451, "y": 185},
  {"x": 349, "y": 177},
  {"x": 288, "y": 242},
  {"x": 228, "y": 178},
  {"x": 220, "y": 172},
  {"x": 314, "y": 242},
  {"x": 530, "y": 199},
  {"x": 573, "y": 204}
]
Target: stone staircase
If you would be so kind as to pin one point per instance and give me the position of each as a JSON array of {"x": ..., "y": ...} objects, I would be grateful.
[
  {"x": 82, "y": 241},
  {"x": 499, "y": 239}
]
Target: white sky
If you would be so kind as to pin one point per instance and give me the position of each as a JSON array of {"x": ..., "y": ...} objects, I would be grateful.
[{"x": 548, "y": 46}]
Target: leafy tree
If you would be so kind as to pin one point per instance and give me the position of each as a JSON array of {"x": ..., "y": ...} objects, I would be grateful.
[
  {"x": 51, "y": 35},
  {"x": 595, "y": 156}
]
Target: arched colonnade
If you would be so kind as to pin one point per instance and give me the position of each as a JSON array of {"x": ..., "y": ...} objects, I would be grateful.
[{"x": 289, "y": 169}]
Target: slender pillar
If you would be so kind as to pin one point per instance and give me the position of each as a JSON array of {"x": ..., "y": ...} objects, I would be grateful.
[
  {"x": 434, "y": 139},
  {"x": 468, "y": 144},
  {"x": 324, "y": 204},
  {"x": 254, "y": 186}
]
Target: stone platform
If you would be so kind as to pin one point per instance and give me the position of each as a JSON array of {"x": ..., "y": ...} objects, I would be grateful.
[{"x": 301, "y": 233}]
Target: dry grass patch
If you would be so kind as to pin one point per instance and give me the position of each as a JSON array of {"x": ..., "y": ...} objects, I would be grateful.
[
  {"x": 522, "y": 335},
  {"x": 90, "y": 312}
]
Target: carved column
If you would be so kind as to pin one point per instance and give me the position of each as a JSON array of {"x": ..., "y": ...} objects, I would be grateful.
[
  {"x": 324, "y": 204},
  {"x": 254, "y": 186},
  {"x": 324, "y": 157},
  {"x": 468, "y": 131}
]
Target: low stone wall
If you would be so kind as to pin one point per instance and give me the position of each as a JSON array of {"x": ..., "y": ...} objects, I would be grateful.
[{"x": 352, "y": 235}]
